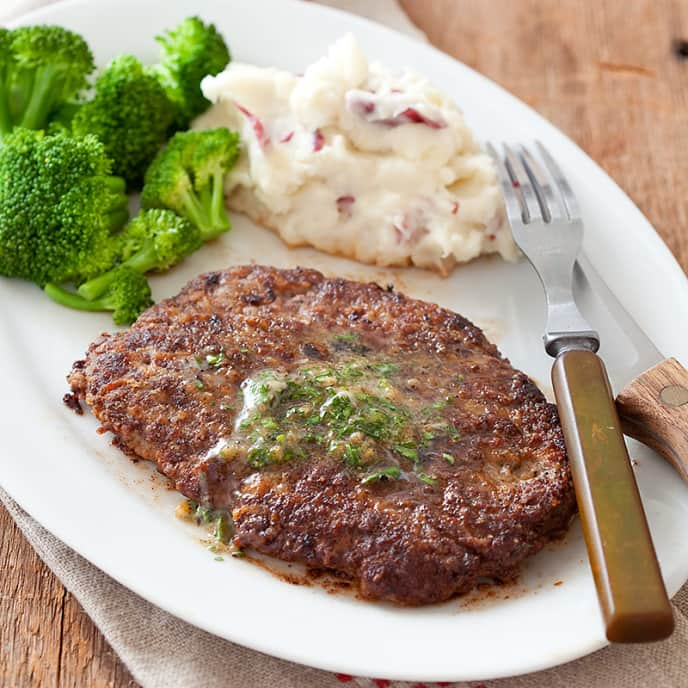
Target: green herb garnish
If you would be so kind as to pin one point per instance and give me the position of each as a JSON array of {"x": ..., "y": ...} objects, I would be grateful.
[
  {"x": 352, "y": 455},
  {"x": 388, "y": 473},
  {"x": 407, "y": 451},
  {"x": 202, "y": 514},
  {"x": 215, "y": 360},
  {"x": 270, "y": 424},
  {"x": 385, "y": 369},
  {"x": 339, "y": 406},
  {"x": 348, "y": 337},
  {"x": 224, "y": 529},
  {"x": 427, "y": 479}
]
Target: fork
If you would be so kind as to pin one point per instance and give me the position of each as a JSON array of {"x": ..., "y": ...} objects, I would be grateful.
[{"x": 547, "y": 226}]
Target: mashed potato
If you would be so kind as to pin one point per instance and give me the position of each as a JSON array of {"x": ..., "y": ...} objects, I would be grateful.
[{"x": 357, "y": 160}]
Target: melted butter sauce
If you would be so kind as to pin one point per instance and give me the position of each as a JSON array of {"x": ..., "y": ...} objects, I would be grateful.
[{"x": 358, "y": 407}]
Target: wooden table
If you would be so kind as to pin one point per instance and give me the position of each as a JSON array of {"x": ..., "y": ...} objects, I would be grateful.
[{"x": 606, "y": 73}]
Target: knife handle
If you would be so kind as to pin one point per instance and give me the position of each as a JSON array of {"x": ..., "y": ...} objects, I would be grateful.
[
  {"x": 654, "y": 410},
  {"x": 624, "y": 565}
]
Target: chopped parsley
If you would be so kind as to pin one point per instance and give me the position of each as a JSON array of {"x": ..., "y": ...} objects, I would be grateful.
[
  {"x": 385, "y": 369},
  {"x": 199, "y": 383},
  {"x": 348, "y": 337},
  {"x": 351, "y": 409},
  {"x": 215, "y": 360},
  {"x": 427, "y": 479},
  {"x": 407, "y": 450},
  {"x": 448, "y": 458},
  {"x": 352, "y": 455},
  {"x": 224, "y": 529},
  {"x": 390, "y": 472},
  {"x": 270, "y": 423},
  {"x": 223, "y": 526}
]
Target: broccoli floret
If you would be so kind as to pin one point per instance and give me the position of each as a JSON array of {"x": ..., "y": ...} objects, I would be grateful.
[
  {"x": 128, "y": 295},
  {"x": 130, "y": 114},
  {"x": 43, "y": 67},
  {"x": 189, "y": 52},
  {"x": 154, "y": 240},
  {"x": 188, "y": 177},
  {"x": 61, "y": 120},
  {"x": 59, "y": 207}
]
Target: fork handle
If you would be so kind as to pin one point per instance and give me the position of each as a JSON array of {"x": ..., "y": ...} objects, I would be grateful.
[
  {"x": 624, "y": 565},
  {"x": 654, "y": 410}
]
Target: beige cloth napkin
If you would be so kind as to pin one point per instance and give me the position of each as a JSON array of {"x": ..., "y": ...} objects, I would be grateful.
[{"x": 163, "y": 652}]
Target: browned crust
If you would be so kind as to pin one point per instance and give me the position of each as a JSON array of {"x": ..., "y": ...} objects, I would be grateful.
[{"x": 412, "y": 544}]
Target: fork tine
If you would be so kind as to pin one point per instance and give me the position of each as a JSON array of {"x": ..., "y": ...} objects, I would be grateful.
[
  {"x": 560, "y": 180},
  {"x": 521, "y": 181},
  {"x": 552, "y": 205},
  {"x": 514, "y": 210}
]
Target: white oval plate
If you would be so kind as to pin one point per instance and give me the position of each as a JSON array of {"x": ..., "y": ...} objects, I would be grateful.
[{"x": 116, "y": 515}]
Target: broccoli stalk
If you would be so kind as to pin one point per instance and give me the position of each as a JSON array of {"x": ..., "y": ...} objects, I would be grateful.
[
  {"x": 116, "y": 203},
  {"x": 130, "y": 114},
  {"x": 42, "y": 68},
  {"x": 128, "y": 295},
  {"x": 188, "y": 177},
  {"x": 189, "y": 52},
  {"x": 59, "y": 207},
  {"x": 6, "y": 59},
  {"x": 154, "y": 240}
]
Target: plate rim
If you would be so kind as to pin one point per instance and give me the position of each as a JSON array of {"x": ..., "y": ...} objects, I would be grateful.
[{"x": 644, "y": 228}]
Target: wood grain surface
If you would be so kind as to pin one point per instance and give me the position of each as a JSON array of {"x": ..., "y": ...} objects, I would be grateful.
[
  {"x": 606, "y": 73},
  {"x": 654, "y": 410}
]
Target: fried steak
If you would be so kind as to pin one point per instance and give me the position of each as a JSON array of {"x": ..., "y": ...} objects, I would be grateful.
[{"x": 342, "y": 425}]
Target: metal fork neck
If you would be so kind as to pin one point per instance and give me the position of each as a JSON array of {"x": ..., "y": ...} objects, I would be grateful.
[
  {"x": 557, "y": 343},
  {"x": 553, "y": 258}
]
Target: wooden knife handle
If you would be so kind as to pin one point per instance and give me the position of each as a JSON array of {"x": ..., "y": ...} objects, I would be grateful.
[
  {"x": 629, "y": 583},
  {"x": 654, "y": 410}
]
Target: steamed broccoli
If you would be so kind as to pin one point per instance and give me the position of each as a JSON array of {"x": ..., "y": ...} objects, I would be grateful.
[
  {"x": 61, "y": 119},
  {"x": 128, "y": 295},
  {"x": 189, "y": 52},
  {"x": 6, "y": 64},
  {"x": 154, "y": 240},
  {"x": 188, "y": 177},
  {"x": 130, "y": 114},
  {"x": 59, "y": 206},
  {"x": 41, "y": 68}
]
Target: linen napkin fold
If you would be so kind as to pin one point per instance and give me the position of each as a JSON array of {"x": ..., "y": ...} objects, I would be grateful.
[{"x": 161, "y": 651}]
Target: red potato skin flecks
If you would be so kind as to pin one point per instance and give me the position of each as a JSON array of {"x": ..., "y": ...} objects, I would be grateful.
[
  {"x": 507, "y": 493},
  {"x": 257, "y": 125}
]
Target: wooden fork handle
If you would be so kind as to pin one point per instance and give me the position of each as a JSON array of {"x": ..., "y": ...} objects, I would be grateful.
[
  {"x": 629, "y": 583},
  {"x": 654, "y": 410}
]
